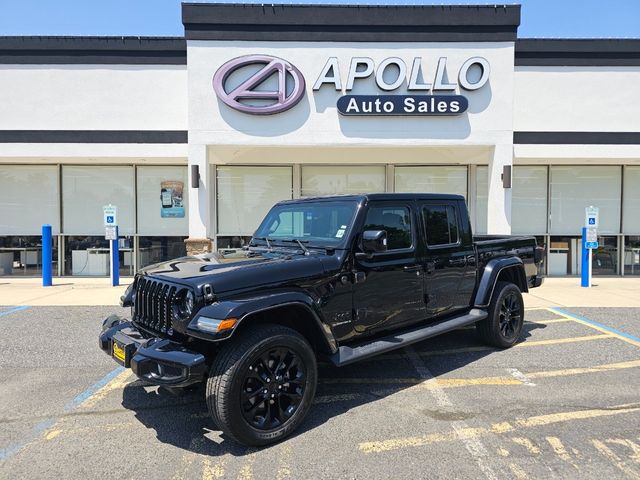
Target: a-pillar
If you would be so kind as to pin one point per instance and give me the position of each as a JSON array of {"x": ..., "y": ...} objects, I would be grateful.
[
  {"x": 199, "y": 215},
  {"x": 499, "y": 198}
]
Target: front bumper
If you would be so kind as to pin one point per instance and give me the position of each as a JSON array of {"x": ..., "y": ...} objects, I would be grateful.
[{"x": 156, "y": 360}]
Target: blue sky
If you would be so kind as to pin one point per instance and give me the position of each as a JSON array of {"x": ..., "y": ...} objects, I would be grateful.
[{"x": 540, "y": 18}]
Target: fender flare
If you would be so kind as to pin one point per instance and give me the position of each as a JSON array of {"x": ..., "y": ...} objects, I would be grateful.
[
  {"x": 244, "y": 307},
  {"x": 490, "y": 275}
]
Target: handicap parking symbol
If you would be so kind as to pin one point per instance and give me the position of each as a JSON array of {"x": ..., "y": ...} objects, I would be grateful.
[
  {"x": 109, "y": 218},
  {"x": 592, "y": 221}
]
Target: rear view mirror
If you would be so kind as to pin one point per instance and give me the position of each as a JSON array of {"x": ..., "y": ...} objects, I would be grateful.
[{"x": 374, "y": 241}]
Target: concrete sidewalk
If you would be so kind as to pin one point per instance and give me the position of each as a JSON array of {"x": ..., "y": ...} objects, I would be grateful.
[{"x": 561, "y": 292}]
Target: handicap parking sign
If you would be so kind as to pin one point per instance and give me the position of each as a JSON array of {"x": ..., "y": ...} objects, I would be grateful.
[{"x": 110, "y": 215}]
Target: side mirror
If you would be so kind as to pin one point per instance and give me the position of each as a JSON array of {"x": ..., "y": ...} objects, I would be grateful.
[{"x": 374, "y": 241}]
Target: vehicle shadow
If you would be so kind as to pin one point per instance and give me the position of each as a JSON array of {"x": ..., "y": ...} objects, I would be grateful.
[{"x": 180, "y": 417}]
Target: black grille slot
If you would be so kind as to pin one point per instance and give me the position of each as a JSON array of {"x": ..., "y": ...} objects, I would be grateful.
[{"x": 153, "y": 304}]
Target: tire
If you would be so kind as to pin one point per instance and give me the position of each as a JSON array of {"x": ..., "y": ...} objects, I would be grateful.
[
  {"x": 237, "y": 384},
  {"x": 503, "y": 326}
]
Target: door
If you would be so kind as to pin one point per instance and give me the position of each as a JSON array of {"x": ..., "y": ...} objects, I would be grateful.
[
  {"x": 389, "y": 290},
  {"x": 448, "y": 259}
]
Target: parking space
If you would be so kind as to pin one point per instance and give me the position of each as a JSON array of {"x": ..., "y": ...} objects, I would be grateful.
[{"x": 563, "y": 403}]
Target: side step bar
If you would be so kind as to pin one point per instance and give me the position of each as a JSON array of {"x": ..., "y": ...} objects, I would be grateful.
[{"x": 350, "y": 354}]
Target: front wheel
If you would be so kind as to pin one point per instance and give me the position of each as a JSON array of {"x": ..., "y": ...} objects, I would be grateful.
[
  {"x": 503, "y": 325},
  {"x": 261, "y": 384}
]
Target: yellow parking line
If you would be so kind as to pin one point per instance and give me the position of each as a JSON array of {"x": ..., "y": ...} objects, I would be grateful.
[
  {"x": 483, "y": 348},
  {"x": 578, "y": 371},
  {"x": 530, "y": 422},
  {"x": 561, "y": 451},
  {"x": 211, "y": 470},
  {"x": 615, "y": 459},
  {"x": 518, "y": 473},
  {"x": 465, "y": 382},
  {"x": 594, "y": 325},
  {"x": 559, "y": 341},
  {"x": 549, "y": 321},
  {"x": 117, "y": 383}
]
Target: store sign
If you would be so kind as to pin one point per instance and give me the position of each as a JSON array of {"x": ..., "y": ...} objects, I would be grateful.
[
  {"x": 435, "y": 92},
  {"x": 402, "y": 104},
  {"x": 248, "y": 97}
]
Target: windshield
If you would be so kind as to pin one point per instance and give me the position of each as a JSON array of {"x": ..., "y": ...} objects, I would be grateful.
[{"x": 315, "y": 223}]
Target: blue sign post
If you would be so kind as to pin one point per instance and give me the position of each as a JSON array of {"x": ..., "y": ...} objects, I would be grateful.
[
  {"x": 47, "y": 256},
  {"x": 111, "y": 233},
  {"x": 585, "y": 280},
  {"x": 115, "y": 261}
]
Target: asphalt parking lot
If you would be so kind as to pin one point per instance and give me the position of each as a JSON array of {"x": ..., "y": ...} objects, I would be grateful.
[{"x": 564, "y": 403}]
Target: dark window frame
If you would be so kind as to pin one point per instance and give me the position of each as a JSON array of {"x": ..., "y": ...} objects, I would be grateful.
[
  {"x": 412, "y": 219},
  {"x": 436, "y": 246}
]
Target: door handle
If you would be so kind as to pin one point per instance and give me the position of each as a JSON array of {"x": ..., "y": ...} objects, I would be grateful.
[
  {"x": 430, "y": 267},
  {"x": 411, "y": 268}
]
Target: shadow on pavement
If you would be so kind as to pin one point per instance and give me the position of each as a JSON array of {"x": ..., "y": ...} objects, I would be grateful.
[{"x": 180, "y": 417}]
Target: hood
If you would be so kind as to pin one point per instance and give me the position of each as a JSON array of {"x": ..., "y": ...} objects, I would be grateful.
[{"x": 238, "y": 270}]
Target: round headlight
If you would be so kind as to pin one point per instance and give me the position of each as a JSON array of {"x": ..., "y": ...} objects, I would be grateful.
[{"x": 188, "y": 303}]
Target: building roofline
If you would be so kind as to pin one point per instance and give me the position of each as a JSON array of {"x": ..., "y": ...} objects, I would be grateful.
[
  {"x": 577, "y": 52},
  {"x": 92, "y": 50},
  {"x": 350, "y": 23}
]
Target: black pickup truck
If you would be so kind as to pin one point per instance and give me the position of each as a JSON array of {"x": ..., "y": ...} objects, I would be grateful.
[{"x": 341, "y": 278}]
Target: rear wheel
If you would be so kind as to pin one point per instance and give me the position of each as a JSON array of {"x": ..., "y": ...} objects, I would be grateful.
[
  {"x": 261, "y": 384},
  {"x": 503, "y": 326}
]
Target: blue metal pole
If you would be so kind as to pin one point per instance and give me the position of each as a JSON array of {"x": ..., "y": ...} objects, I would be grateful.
[
  {"x": 115, "y": 261},
  {"x": 47, "y": 256},
  {"x": 584, "y": 280}
]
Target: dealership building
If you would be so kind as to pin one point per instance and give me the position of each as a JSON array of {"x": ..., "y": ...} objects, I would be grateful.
[{"x": 194, "y": 138}]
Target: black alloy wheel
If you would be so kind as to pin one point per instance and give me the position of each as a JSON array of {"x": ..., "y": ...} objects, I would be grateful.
[
  {"x": 505, "y": 316},
  {"x": 510, "y": 314},
  {"x": 261, "y": 384},
  {"x": 273, "y": 388}
]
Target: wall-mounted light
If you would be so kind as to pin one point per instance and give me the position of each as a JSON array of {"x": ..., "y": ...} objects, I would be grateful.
[
  {"x": 506, "y": 176},
  {"x": 195, "y": 176}
]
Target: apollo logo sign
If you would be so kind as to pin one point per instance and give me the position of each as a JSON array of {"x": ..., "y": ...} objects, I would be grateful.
[
  {"x": 248, "y": 97},
  {"x": 435, "y": 93}
]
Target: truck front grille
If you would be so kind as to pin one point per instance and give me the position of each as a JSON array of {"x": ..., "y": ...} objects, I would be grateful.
[{"x": 153, "y": 305}]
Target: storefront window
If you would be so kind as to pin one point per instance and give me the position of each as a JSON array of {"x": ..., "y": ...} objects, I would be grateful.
[
  {"x": 30, "y": 199},
  {"x": 436, "y": 179},
  {"x": 631, "y": 201},
  {"x": 162, "y": 201},
  {"x": 245, "y": 195},
  {"x": 575, "y": 187},
  {"x": 565, "y": 256},
  {"x": 89, "y": 256},
  {"x": 605, "y": 257},
  {"x": 337, "y": 180},
  {"x": 232, "y": 243},
  {"x": 85, "y": 190},
  {"x": 159, "y": 249},
  {"x": 529, "y": 200},
  {"x": 22, "y": 255},
  {"x": 631, "y": 257}
]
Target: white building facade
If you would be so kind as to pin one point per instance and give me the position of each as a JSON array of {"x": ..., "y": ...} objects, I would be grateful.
[{"x": 193, "y": 139}]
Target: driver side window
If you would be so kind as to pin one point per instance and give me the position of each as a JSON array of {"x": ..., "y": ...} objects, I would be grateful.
[{"x": 396, "y": 220}]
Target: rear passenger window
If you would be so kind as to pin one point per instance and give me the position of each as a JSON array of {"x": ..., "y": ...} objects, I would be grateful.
[
  {"x": 395, "y": 220},
  {"x": 441, "y": 224}
]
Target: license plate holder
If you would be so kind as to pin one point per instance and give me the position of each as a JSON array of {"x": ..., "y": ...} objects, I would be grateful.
[{"x": 123, "y": 349}]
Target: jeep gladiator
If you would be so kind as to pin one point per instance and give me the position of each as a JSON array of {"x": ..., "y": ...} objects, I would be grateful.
[{"x": 341, "y": 278}]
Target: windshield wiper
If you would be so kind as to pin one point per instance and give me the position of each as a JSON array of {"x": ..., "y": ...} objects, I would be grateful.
[
  {"x": 299, "y": 242},
  {"x": 266, "y": 239}
]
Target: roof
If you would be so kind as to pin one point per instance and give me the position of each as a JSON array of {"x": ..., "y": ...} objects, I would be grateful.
[
  {"x": 577, "y": 52},
  {"x": 93, "y": 50},
  {"x": 378, "y": 197},
  {"x": 352, "y": 23}
]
